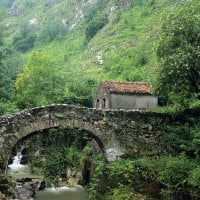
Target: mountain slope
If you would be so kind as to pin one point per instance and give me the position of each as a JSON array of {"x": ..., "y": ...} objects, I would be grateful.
[{"x": 91, "y": 40}]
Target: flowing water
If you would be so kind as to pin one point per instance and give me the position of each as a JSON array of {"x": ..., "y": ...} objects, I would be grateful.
[
  {"x": 62, "y": 193},
  {"x": 18, "y": 171},
  {"x": 16, "y": 166}
]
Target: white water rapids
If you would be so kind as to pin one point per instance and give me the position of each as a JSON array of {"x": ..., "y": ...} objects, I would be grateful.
[
  {"x": 18, "y": 171},
  {"x": 16, "y": 166}
]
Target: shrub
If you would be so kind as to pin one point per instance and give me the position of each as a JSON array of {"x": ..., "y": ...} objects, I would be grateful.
[
  {"x": 178, "y": 53},
  {"x": 175, "y": 171},
  {"x": 173, "y": 174},
  {"x": 122, "y": 193},
  {"x": 194, "y": 182},
  {"x": 53, "y": 29},
  {"x": 25, "y": 39},
  {"x": 118, "y": 180},
  {"x": 7, "y": 107},
  {"x": 5, "y": 185},
  {"x": 96, "y": 24}
]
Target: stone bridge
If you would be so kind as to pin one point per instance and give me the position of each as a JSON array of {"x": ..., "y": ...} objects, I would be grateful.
[{"x": 117, "y": 132}]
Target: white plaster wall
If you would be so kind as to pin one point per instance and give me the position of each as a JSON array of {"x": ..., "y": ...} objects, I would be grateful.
[{"x": 128, "y": 102}]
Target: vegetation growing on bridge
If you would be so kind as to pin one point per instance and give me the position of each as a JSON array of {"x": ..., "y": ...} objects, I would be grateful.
[
  {"x": 174, "y": 176},
  {"x": 116, "y": 40},
  {"x": 60, "y": 150}
]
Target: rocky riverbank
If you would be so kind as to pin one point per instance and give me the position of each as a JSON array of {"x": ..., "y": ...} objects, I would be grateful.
[
  {"x": 23, "y": 189},
  {"x": 3, "y": 197},
  {"x": 26, "y": 188}
]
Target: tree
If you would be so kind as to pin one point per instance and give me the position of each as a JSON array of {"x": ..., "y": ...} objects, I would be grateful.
[
  {"x": 96, "y": 24},
  {"x": 9, "y": 67},
  {"x": 25, "y": 39},
  {"x": 80, "y": 90},
  {"x": 4, "y": 75},
  {"x": 1, "y": 53},
  {"x": 40, "y": 83},
  {"x": 53, "y": 29},
  {"x": 179, "y": 55}
]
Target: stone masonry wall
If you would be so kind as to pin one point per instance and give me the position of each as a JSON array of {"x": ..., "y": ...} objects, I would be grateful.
[{"x": 117, "y": 132}]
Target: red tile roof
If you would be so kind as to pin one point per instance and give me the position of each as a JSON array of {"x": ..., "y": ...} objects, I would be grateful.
[{"x": 127, "y": 87}]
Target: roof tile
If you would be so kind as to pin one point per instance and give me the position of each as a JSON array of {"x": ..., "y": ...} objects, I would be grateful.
[{"x": 127, "y": 87}]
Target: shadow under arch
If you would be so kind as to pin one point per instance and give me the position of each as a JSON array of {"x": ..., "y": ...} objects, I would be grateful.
[
  {"x": 42, "y": 131},
  {"x": 83, "y": 131}
]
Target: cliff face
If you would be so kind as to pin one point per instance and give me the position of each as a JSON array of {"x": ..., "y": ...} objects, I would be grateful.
[{"x": 69, "y": 12}]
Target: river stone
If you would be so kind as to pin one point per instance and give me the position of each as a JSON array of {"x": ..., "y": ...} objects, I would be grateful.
[
  {"x": 23, "y": 191},
  {"x": 42, "y": 185}
]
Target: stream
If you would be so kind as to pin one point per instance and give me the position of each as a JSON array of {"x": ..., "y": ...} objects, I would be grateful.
[
  {"x": 62, "y": 193},
  {"x": 19, "y": 171}
]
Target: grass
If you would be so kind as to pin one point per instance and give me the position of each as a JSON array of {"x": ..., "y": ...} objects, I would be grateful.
[{"x": 127, "y": 43}]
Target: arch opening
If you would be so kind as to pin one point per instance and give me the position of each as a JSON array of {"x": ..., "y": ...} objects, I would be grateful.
[
  {"x": 45, "y": 131},
  {"x": 21, "y": 144}
]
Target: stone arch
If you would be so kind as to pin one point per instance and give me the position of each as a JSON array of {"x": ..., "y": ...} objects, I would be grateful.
[
  {"x": 17, "y": 126},
  {"x": 94, "y": 137},
  {"x": 42, "y": 125},
  {"x": 87, "y": 132}
]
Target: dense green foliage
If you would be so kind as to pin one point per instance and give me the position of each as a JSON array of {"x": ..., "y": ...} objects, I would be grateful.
[
  {"x": 10, "y": 65},
  {"x": 43, "y": 82},
  {"x": 102, "y": 40},
  {"x": 25, "y": 39},
  {"x": 57, "y": 151},
  {"x": 2, "y": 84},
  {"x": 5, "y": 186},
  {"x": 53, "y": 29},
  {"x": 57, "y": 52},
  {"x": 40, "y": 83},
  {"x": 163, "y": 178},
  {"x": 97, "y": 23},
  {"x": 166, "y": 177},
  {"x": 179, "y": 53}
]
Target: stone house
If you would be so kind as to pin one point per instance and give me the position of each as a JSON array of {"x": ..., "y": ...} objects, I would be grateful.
[{"x": 124, "y": 95}]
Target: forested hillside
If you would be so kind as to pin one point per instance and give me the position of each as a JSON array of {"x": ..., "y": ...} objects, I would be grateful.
[
  {"x": 57, "y": 51},
  {"x": 62, "y": 49}
]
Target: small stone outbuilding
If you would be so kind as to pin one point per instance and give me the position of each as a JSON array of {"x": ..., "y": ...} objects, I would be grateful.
[{"x": 124, "y": 95}]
